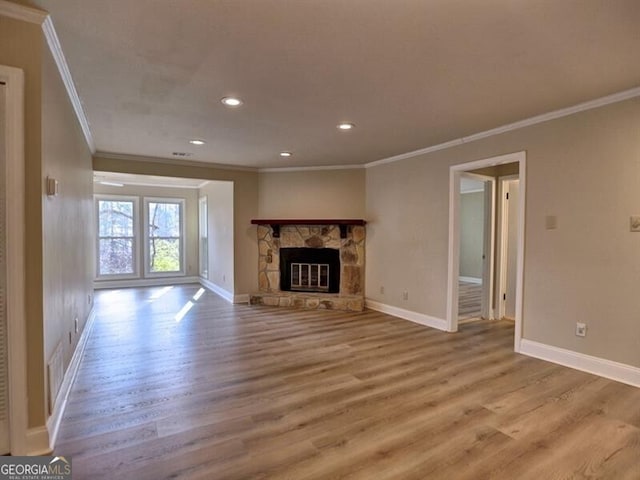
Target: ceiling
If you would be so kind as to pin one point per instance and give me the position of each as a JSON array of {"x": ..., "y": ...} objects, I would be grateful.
[{"x": 408, "y": 73}]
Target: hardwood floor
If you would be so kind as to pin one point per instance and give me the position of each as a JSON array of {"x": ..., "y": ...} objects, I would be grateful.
[
  {"x": 469, "y": 300},
  {"x": 238, "y": 392}
]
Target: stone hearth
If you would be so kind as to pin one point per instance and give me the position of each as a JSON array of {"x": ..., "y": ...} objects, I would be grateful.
[{"x": 352, "y": 261}]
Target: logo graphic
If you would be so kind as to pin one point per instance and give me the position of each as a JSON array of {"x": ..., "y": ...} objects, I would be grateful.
[{"x": 35, "y": 468}]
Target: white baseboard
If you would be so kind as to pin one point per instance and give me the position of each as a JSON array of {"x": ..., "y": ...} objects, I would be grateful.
[
  {"x": 242, "y": 298},
  {"x": 144, "y": 282},
  {"x": 619, "y": 372},
  {"x": 416, "y": 317},
  {"x": 477, "y": 281},
  {"x": 38, "y": 442},
  {"x": 228, "y": 296},
  {"x": 53, "y": 423}
]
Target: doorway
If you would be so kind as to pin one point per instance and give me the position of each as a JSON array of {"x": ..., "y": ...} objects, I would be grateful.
[
  {"x": 509, "y": 188},
  {"x": 493, "y": 265},
  {"x": 475, "y": 285},
  {"x": 4, "y": 356},
  {"x": 13, "y": 427}
]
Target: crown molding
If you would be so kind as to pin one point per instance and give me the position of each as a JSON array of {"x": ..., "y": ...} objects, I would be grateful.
[
  {"x": 63, "y": 68},
  {"x": 22, "y": 12},
  {"x": 545, "y": 117},
  {"x": 171, "y": 161},
  {"x": 309, "y": 169},
  {"x": 196, "y": 163}
]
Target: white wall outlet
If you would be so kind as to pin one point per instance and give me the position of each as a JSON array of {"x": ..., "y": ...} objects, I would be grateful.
[
  {"x": 634, "y": 223},
  {"x": 405, "y": 295},
  {"x": 75, "y": 324},
  {"x": 581, "y": 329},
  {"x": 381, "y": 289}
]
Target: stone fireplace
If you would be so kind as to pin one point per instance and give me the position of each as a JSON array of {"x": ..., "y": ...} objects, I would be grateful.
[{"x": 311, "y": 264}]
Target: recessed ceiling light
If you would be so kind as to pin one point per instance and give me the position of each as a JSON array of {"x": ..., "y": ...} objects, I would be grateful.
[
  {"x": 231, "y": 101},
  {"x": 285, "y": 154},
  {"x": 196, "y": 142},
  {"x": 345, "y": 126}
]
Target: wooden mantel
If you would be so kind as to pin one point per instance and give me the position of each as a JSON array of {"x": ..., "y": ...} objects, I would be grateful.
[{"x": 342, "y": 223}]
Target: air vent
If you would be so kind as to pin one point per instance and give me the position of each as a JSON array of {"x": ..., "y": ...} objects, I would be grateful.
[{"x": 181, "y": 154}]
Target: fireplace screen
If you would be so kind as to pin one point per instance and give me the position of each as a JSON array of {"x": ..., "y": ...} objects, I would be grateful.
[
  {"x": 310, "y": 276},
  {"x": 310, "y": 270}
]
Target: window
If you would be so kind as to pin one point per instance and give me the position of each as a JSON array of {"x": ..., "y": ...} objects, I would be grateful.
[
  {"x": 117, "y": 242},
  {"x": 204, "y": 236},
  {"x": 164, "y": 231}
]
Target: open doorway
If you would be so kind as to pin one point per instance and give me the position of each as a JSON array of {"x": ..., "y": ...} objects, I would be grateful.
[
  {"x": 500, "y": 244},
  {"x": 475, "y": 288},
  {"x": 509, "y": 193}
]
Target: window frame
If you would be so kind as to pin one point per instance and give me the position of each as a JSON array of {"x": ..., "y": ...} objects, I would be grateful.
[
  {"x": 203, "y": 236},
  {"x": 147, "y": 238},
  {"x": 136, "y": 236}
]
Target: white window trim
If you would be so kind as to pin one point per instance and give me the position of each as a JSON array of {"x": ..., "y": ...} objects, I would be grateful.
[
  {"x": 145, "y": 233},
  {"x": 203, "y": 224},
  {"x": 136, "y": 236}
]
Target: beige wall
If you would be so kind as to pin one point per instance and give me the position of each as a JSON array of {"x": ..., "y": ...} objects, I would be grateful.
[
  {"x": 220, "y": 228},
  {"x": 471, "y": 234},
  {"x": 312, "y": 194},
  {"x": 585, "y": 169},
  {"x": 67, "y": 220},
  {"x": 245, "y": 205},
  {"x": 21, "y": 46},
  {"x": 190, "y": 195}
]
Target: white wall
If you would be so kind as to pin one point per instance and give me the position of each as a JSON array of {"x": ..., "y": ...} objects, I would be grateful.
[
  {"x": 221, "y": 269},
  {"x": 312, "y": 194},
  {"x": 585, "y": 169},
  {"x": 471, "y": 234}
]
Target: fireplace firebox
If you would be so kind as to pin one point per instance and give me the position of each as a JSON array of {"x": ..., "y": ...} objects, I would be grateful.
[{"x": 310, "y": 270}]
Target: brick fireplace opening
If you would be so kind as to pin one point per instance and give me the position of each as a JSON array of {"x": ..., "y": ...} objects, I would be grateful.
[{"x": 311, "y": 264}]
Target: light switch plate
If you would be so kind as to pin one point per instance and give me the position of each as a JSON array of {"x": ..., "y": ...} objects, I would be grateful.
[{"x": 634, "y": 223}]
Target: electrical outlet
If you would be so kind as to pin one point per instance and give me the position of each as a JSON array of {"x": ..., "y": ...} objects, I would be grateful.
[
  {"x": 581, "y": 329},
  {"x": 75, "y": 324},
  {"x": 405, "y": 295},
  {"x": 381, "y": 290}
]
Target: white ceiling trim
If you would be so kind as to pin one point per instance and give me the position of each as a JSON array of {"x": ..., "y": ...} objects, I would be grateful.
[
  {"x": 40, "y": 17},
  {"x": 21, "y": 12},
  {"x": 61, "y": 62},
  {"x": 545, "y": 117},
  {"x": 171, "y": 161}
]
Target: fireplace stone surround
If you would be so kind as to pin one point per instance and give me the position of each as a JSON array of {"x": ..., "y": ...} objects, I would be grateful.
[{"x": 347, "y": 238}]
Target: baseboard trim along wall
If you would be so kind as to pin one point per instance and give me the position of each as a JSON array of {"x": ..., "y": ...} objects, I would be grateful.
[
  {"x": 619, "y": 372},
  {"x": 53, "y": 423},
  {"x": 242, "y": 298},
  {"x": 475, "y": 280},
  {"x": 415, "y": 317},
  {"x": 144, "y": 282},
  {"x": 38, "y": 442},
  {"x": 228, "y": 296}
]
